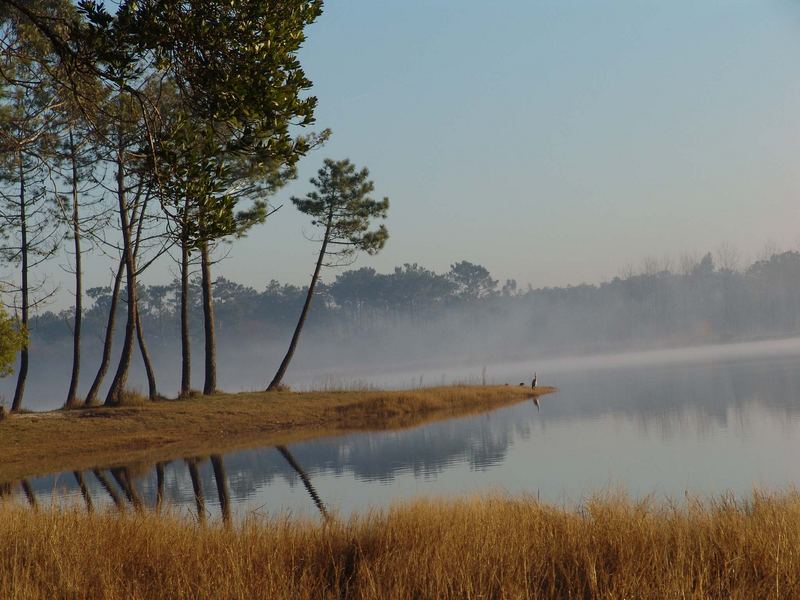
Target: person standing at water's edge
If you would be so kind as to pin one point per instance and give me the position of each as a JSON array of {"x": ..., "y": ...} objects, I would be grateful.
[{"x": 533, "y": 382}]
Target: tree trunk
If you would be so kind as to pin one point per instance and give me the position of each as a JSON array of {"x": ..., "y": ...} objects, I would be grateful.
[
  {"x": 186, "y": 349},
  {"x": 22, "y": 375},
  {"x": 148, "y": 364},
  {"x": 72, "y": 394},
  {"x": 222, "y": 487},
  {"x": 91, "y": 397},
  {"x": 210, "y": 385},
  {"x": 276, "y": 381},
  {"x": 117, "y": 389}
]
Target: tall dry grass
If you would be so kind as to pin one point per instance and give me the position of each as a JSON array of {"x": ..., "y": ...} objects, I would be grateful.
[{"x": 480, "y": 548}]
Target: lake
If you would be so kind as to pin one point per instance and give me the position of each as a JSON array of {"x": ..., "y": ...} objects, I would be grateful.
[{"x": 714, "y": 423}]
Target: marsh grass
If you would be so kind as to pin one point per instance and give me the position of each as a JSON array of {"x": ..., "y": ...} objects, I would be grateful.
[
  {"x": 333, "y": 383},
  {"x": 496, "y": 547}
]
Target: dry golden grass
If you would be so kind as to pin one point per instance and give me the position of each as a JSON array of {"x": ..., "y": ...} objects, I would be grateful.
[
  {"x": 39, "y": 443},
  {"x": 480, "y": 548}
]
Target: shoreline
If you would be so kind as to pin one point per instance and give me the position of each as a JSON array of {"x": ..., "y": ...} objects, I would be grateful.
[{"x": 35, "y": 444}]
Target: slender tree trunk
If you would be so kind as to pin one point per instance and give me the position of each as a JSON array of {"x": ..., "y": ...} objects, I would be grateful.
[
  {"x": 22, "y": 375},
  {"x": 306, "y": 481},
  {"x": 117, "y": 388},
  {"x": 222, "y": 487},
  {"x": 72, "y": 394},
  {"x": 91, "y": 397},
  {"x": 87, "y": 497},
  {"x": 186, "y": 343},
  {"x": 148, "y": 364},
  {"x": 197, "y": 486},
  {"x": 210, "y": 385},
  {"x": 276, "y": 381}
]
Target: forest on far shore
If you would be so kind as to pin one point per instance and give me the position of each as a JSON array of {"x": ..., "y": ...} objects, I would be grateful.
[{"x": 440, "y": 312}]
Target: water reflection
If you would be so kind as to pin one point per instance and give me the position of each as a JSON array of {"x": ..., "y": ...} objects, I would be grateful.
[
  {"x": 305, "y": 479},
  {"x": 221, "y": 480},
  {"x": 118, "y": 486},
  {"x": 706, "y": 428},
  {"x": 7, "y": 490},
  {"x": 87, "y": 497}
]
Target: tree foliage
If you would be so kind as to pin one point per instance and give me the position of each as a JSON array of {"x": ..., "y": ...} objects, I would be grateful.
[
  {"x": 12, "y": 339},
  {"x": 342, "y": 208}
]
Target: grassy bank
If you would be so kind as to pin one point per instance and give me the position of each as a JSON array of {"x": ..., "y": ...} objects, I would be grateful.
[
  {"x": 40, "y": 443},
  {"x": 480, "y": 548}
]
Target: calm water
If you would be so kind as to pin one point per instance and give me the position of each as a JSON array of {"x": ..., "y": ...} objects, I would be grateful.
[{"x": 709, "y": 427}]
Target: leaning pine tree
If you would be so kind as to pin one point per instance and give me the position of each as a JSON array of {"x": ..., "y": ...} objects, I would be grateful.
[{"x": 342, "y": 208}]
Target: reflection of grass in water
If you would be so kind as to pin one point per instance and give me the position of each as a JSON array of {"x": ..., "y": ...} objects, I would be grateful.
[
  {"x": 148, "y": 432},
  {"x": 494, "y": 547}
]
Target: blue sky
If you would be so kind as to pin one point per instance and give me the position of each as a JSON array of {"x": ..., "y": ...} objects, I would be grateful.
[{"x": 551, "y": 141}]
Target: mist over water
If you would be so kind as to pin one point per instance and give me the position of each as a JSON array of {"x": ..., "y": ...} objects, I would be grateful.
[{"x": 414, "y": 327}]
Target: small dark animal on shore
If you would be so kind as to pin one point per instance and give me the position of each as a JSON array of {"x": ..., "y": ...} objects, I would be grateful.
[{"x": 522, "y": 384}]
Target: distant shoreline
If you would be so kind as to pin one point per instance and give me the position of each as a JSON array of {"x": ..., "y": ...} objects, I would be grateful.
[{"x": 36, "y": 444}]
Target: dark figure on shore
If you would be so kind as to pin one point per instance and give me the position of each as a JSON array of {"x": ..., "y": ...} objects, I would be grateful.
[
  {"x": 533, "y": 383},
  {"x": 522, "y": 384}
]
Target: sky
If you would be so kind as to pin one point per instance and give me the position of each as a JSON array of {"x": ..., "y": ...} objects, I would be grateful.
[{"x": 554, "y": 142}]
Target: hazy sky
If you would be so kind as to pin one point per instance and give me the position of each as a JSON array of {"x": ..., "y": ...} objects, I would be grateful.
[{"x": 551, "y": 141}]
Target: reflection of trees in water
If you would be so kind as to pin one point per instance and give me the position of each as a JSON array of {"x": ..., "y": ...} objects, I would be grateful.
[
  {"x": 221, "y": 479},
  {"x": 29, "y": 493},
  {"x": 122, "y": 487},
  {"x": 115, "y": 497},
  {"x": 425, "y": 452},
  {"x": 670, "y": 401},
  {"x": 480, "y": 441},
  {"x": 197, "y": 486},
  {"x": 87, "y": 497},
  {"x": 123, "y": 478},
  {"x": 7, "y": 491},
  {"x": 159, "y": 486},
  {"x": 679, "y": 399},
  {"x": 305, "y": 479}
]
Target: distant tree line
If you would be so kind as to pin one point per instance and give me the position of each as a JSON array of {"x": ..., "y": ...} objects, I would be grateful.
[{"x": 700, "y": 304}]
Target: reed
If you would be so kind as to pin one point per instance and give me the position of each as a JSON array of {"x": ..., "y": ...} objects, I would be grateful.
[{"x": 492, "y": 547}]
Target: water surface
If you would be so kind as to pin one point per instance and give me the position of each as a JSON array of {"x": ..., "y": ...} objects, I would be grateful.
[{"x": 728, "y": 424}]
